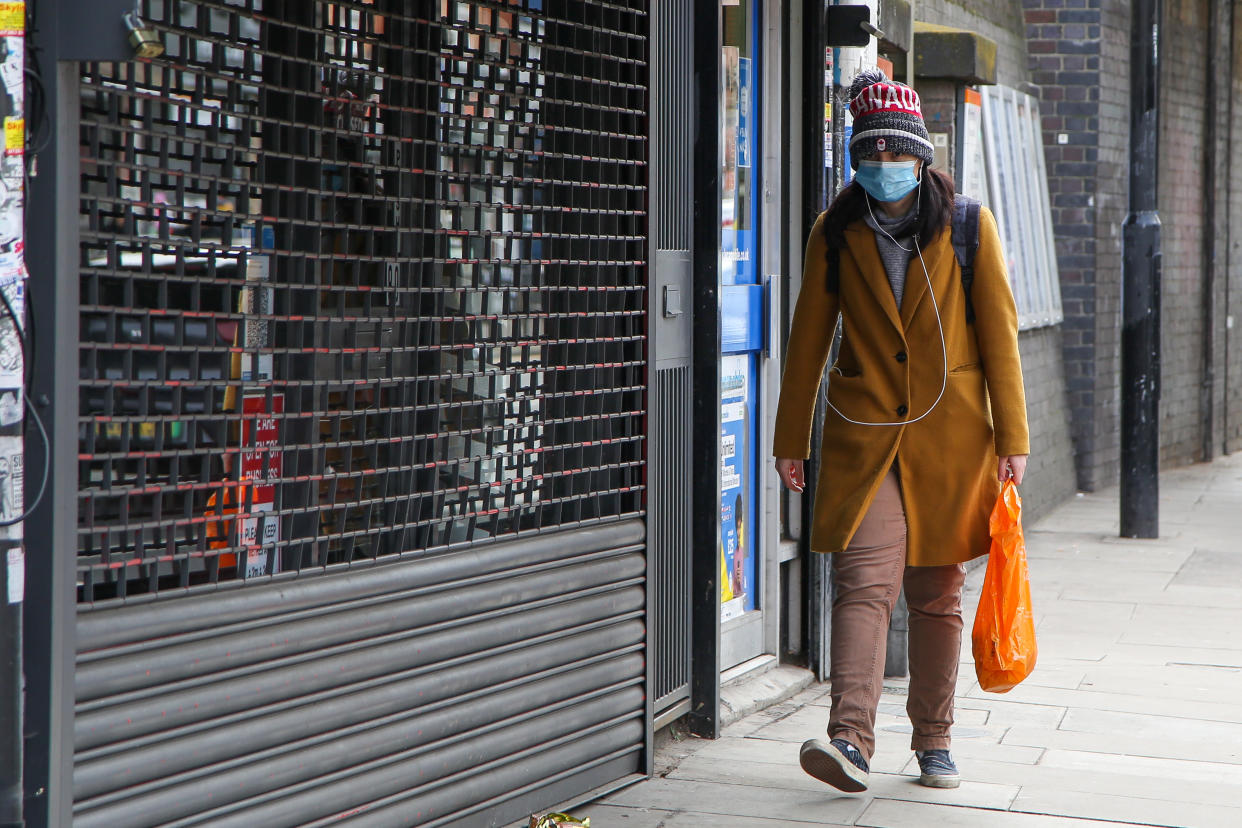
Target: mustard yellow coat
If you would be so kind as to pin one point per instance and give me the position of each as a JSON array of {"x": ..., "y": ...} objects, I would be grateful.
[{"x": 890, "y": 359}]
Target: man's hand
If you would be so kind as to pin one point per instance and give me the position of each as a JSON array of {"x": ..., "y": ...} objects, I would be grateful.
[
  {"x": 791, "y": 473},
  {"x": 1014, "y": 466}
]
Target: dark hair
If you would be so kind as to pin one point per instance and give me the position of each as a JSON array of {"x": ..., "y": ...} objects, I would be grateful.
[{"x": 935, "y": 208}]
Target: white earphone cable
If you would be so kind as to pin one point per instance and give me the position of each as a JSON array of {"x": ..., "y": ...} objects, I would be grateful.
[{"x": 944, "y": 352}]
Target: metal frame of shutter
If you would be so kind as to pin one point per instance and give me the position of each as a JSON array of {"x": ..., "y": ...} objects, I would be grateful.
[{"x": 671, "y": 323}]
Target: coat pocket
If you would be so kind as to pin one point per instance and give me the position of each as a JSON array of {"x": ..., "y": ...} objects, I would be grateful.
[{"x": 967, "y": 367}]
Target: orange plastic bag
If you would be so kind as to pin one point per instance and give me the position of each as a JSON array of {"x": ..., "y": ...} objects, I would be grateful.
[{"x": 1003, "y": 639}]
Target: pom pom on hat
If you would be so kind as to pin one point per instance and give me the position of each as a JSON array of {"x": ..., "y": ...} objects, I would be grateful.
[
  {"x": 887, "y": 116},
  {"x": 865, "y": 78}
]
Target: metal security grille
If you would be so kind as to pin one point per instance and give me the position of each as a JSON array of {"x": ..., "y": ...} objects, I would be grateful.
[
  {"x": 672, "y": 196},
  {"x": 359, "y": 279},
  {"x": 672, "y": 582}
]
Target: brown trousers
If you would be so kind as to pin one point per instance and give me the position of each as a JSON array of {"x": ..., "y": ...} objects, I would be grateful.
[{"x": 868, "y": 576}]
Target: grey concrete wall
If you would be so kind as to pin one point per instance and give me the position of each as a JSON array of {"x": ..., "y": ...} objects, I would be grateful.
[
  {"x": 1050, "y": 470},
  {"x": 1181, "y": 205},
  {"x": 1231, "y": 369},
  {"x": 1199, "y": 396},
  {"x": 1065, "y": 46},
  {"x": 999, "y": 20}
]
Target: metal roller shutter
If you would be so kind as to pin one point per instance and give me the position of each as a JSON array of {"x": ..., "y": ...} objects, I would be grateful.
[
  {"x": 362, "y": 445},
  {"x": 383, "y": 691}
]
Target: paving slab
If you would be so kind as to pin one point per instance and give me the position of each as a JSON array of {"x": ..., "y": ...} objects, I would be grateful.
[
  {"x": 887, "y": 813},
  {"x": 890, "y": 785},
  {"x": 1124, "y": 743},
  {"x": 1006, "y": 714},
  {"x": 1172, "y": 680},
  {"x": 1149, "y": 770},
  {"x": 1132, "y": 810},
  {"x": 825, "y": 807},
  {"x": 1173, "y": 780},
  {"x": 1088, "y": 699},
  {"x": 1163, "y": 722},
  {"x": 611, "y": 816},
  {"x": 1124, "y": 653},
  {"x": 1226, "y": 596}
]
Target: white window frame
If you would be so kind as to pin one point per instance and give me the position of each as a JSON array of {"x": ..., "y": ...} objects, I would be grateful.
[{"x": 1018, "y": 194}]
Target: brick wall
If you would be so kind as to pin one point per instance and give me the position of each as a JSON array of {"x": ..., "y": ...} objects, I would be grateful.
[
  {"x": 1101, "y": 465},
  {"x": 1064, "y": 45},
  {"x": 1080, "y": 59}
]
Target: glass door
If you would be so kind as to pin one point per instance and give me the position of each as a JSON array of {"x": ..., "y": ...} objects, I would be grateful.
[{"x": 742, "y": 329}]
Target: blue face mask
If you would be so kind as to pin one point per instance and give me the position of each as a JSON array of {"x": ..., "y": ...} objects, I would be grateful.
[{"x": 887, "y": 180}]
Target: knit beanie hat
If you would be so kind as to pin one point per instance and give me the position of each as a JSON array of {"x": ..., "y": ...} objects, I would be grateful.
[{"x": 887, "y": 116}]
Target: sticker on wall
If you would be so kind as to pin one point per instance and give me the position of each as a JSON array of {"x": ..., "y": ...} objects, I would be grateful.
[
  {"x": 12, "y": 480},
  {"x": 12, "y": 364},
  {"x": 12, "y": 19},
  {"x": 15, "y": 575}
]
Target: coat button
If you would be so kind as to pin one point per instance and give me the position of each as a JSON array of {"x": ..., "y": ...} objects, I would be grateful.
[
  {"x": 902, "y": 411},
  {"x": 901, "y": 356}
]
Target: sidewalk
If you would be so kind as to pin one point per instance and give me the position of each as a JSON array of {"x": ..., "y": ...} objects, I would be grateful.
[{"x": 1133, "y": 716}]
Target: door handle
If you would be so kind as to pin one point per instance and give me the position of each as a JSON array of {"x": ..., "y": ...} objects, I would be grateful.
[{"x": 771, "y": 314}]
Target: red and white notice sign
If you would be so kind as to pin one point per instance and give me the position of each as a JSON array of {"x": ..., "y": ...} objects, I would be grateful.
[{"x": 260, "y": 462}]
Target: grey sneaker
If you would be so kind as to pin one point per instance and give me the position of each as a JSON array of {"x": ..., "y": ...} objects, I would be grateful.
[
  {"x": 838, "y": 763},
  {"x": 936, "y": 769}
]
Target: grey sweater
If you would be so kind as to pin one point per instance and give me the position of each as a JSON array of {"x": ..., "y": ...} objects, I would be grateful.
[{"x": 895, "y": 259}]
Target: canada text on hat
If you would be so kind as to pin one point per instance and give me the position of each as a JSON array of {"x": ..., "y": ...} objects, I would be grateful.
[{"x": 886, "y": 97}]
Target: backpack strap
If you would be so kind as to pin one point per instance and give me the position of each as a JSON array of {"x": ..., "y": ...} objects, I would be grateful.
[
  {"x": 833, "y": 279},
  {"x": 965, "y": 234}
]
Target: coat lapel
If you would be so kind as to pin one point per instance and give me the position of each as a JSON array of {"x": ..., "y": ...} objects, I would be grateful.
[
  {"x": 916, "y": 282},
  {"x": 860, "y": 239}
]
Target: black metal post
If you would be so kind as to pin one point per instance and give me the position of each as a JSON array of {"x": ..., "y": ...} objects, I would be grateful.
[
  {"x": 704, "y": 715},
  {"x": 819, "y": 181},
  {"x": 12, "y": 589},
  {"x": 52, "y": 246},
  {"x": 1140, "y": 308}
]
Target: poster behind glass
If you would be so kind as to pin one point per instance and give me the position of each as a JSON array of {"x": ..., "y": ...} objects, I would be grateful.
[{"x": 737, "y": 508}]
